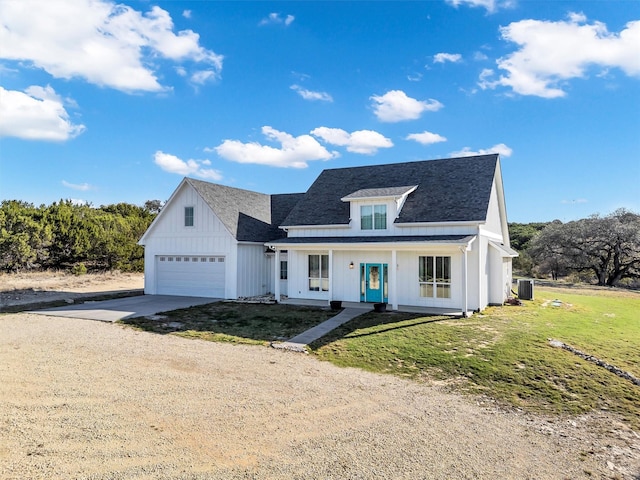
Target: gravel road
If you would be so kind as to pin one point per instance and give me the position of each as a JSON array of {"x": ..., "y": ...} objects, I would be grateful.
[{"x": 88, "y": 400}]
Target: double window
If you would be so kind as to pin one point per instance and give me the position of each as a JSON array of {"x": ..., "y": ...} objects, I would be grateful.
[
  {"x": 373, "y": 217},
  {"x": 319, "y": 273},
  {"x": 188, "y": 216},
  {"x": 435, "y": 276}
]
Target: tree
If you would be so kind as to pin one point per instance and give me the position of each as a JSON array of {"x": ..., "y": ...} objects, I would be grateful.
[
  {"x": 521, "y": 235},
  {"x": 153, "y": 206},
  {"x": 607, "y": 246},
  {"x": 24, "y": 238}
]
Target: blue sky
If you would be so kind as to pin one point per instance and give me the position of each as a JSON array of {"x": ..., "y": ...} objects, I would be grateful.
[{"x": 107, "y": 102}]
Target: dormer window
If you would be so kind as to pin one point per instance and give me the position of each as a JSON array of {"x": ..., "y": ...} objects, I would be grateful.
[
  {"x": 373, "y": 217},
  {"x": 188, "y": 216}
]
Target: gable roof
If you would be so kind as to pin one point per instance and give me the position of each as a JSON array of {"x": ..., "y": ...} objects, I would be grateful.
[
  {"x": 449, "y": 190},
  {"x": 249, "y": 216}
]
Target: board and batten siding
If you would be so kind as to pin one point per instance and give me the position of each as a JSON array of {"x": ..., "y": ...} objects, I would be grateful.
[
  {"x": 207, "y": 236},
  {"x": 254, "y": 271}
]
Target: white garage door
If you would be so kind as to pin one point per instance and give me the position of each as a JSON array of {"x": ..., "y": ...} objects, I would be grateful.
[{"x": 190, "y": 275}]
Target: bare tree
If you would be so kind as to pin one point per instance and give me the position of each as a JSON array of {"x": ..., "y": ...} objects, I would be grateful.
[{"x": 607, "y": 246}]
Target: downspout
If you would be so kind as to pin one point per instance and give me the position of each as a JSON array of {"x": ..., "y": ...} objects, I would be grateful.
[
  {"x": 276, "y": 268},
  {"x": 465, "y": 275},
  {"x": 330, "y": 277}
]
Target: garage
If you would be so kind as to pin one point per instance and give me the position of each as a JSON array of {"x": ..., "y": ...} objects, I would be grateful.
[{"x": 191, "y": 275}]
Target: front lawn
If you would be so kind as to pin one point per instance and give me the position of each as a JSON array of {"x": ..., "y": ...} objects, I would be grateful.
[
  {"x": 504, "y": 352},
  {"x": 249, "y": 323}
]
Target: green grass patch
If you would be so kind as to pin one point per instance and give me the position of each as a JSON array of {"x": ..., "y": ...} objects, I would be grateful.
[
  {"x": 505, "y": 353},
  {"x": 248, "y": 323}
]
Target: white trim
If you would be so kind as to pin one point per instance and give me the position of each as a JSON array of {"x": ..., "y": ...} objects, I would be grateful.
[
  {"x": 440, "y": 224},
  {"x": 410, "y": 189},
  {"x": 313, "y": 227},
  {"x": 371, "y": 246}
]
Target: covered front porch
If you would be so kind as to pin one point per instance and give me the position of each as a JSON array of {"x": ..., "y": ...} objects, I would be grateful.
[
  {"x": 365, "y": 307},
  {"x": 363, "y": 271}
]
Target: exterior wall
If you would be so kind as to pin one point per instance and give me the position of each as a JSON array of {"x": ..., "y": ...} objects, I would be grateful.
[
  {"x": 500, "y": 277},
  {"x": 493, "y": 224},
  {"x": 354, "y": 231},
  {"x": 254, "y": 271},
  {"x": 208, "y": 236},
  {"x": 483, "y": 273},
  {"x": 345, "y": 284}
]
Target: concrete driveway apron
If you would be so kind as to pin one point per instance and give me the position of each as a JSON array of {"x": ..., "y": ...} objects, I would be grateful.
[{"x": 129, "y": 307}]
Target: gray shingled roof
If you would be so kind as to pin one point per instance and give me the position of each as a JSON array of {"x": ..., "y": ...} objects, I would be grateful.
[
  {"x": 449, "y": 190},
  {"x": 249, "y": 216}
]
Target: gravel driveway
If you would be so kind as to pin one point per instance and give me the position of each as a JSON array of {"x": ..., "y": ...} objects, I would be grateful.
[{"x": 88, "y": 400}]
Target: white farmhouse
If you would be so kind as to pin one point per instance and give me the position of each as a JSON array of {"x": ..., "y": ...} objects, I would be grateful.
[{"x": 430, "y": 235}]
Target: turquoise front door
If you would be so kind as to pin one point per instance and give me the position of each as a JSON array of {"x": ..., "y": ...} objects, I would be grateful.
[{"x": 373, "y": 281}]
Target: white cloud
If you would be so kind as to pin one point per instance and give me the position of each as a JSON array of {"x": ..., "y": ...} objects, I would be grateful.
[
  {"x": 311, "y": 95},
  {"x": 113, "y": 45},
  {"x": 490, "y": 5},
  {"x": 83, "y": 187},
  {"x": 426, "y": 138},
  {"x": 447, "y": 57},
  {"x": 500, "y": 148},
  {"x": 294, "y": 152},
  {"x": 361, "y": 141},
  {"x": 396, "y": 106},
  {"x": 38, "y": 113},
  {"x": 551, "y": 53},
  {"x": 480, "y": 56},
  {"x": 186, "y": 13},
  {"x": 172, "y": 164},
  {"x": 277, "y": 19}
]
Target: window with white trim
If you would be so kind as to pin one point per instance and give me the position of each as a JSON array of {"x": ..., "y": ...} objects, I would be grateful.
[
  {"x": 284, "y": 270},
  {"x": 373, "y": 217},
  {"x": 188, "y": 216},
  {"x": 319, "y": 273},
  {"x": 434, "y": 276}
]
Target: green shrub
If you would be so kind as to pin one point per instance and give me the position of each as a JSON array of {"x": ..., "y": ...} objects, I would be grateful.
[{"x": 79, "y": 269}]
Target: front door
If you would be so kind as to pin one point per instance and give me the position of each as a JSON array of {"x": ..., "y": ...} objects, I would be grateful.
[{"x": 373, "y": 282}]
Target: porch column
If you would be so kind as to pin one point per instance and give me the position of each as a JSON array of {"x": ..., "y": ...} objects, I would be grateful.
[
  {"x": 330, "y": 277},
  {"x": 276, "y": 285},
  {"x": 465, "y": 299},
  {"x": 393, "y": 283}
]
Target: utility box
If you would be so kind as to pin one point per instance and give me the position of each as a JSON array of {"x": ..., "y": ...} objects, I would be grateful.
[{"x": 525, "y": 289}]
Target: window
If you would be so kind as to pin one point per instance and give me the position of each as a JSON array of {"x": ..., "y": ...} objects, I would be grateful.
[
  {"x": 284, "y": 274},
  {"x": 188, "y": 216},
  {"x": 319, "y": 273},
  {"x": 435, "y": 277},
  {"x": 373, "y": 217}
]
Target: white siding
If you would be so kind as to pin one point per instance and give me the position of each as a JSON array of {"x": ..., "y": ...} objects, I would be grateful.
[
  {"x": 346, "y": 282},
  {"x": 208, "y": 236},
  {"x": 354, "y": 231},
  {"x": 493, "y": 226},
  {"x": 253, "y": 271}
]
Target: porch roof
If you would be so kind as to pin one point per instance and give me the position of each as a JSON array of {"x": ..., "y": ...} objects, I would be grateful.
[{"x": 431, "y": 240}]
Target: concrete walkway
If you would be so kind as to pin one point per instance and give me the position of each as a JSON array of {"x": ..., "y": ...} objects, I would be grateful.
[
  {"x": 300, "y": 342},
  {"x": 128, "y": 307}
]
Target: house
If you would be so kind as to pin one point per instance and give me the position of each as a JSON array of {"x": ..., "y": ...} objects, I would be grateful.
[{"x": 430, "y": 234}]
